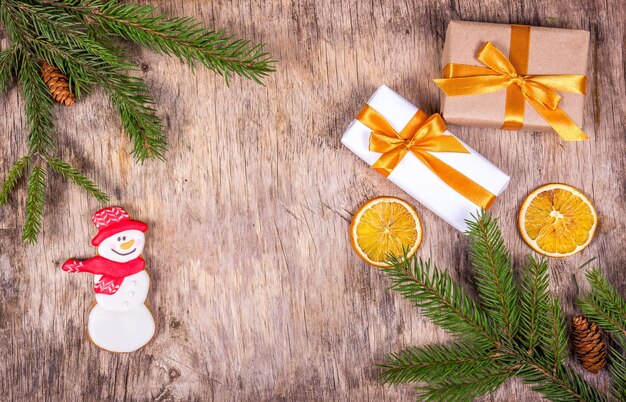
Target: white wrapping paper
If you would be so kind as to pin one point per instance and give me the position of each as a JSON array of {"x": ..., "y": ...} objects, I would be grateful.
[{"x": 412, "y": 176}]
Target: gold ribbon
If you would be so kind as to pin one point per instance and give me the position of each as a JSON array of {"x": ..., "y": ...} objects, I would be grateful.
[
  {"x": 539, "y": 90},
  {"x": 420, "y": 136}
]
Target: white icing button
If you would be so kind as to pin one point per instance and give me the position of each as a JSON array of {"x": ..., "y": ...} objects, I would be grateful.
[
  {"x": 133, "y": 283},
  {"x": 125, "y": 304},
  {"x": 131, "y": 294}
]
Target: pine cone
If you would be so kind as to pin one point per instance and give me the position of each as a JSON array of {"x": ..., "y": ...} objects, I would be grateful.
[
  {"x": 589, "y": 344},
  {"x": 58, "y": 84}
]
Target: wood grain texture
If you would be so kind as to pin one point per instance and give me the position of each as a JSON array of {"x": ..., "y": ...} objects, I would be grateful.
[{"x": 255, "y": 289}]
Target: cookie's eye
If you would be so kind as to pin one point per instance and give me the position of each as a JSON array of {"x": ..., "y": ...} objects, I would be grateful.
[
  {"x": 119, "y": 238},
  {"x": 124, "y": 238}
]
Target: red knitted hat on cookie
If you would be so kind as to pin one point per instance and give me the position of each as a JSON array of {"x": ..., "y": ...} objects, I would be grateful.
[{"x": 112, "y": 220}]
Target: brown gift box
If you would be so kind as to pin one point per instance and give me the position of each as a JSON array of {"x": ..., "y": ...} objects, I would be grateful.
[{"x": 552, "y": 51}]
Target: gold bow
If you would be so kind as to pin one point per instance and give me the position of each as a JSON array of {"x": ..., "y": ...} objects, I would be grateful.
[
  {"x": 539, "y": 90},
  {"x": 421, "y": 136}
]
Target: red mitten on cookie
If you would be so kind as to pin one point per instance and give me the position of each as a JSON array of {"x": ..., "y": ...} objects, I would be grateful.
[{"x": 72, "y": 266}]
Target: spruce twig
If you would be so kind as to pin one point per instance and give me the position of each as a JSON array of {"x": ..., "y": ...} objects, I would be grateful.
[
  {"x": 15, "y": 174},
  {"x": 564, "y": 385},
  {"x": 509, "y": 334},
  {"x": 9, "y": 62},
  {"x": 535, "y": 301},
  {"x": 494, "y": 274},
  {"x": 184, "y": 38},
  {"x": 69, "y": 172},
  {"x": 34, "y": 204},
  {"x": 618, "y": 368},
  {"x": 468, "y": 388},
  {"x": 604, "y": 305},
  {"x": 39, "y": 108},
  {"x": 431, "y": 363},
  {"x": 555, "y": 336},
  {"x": 441, "y": 299}
]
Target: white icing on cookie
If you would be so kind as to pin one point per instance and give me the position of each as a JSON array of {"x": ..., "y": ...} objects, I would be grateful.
[{"x": 121, "y": 331}]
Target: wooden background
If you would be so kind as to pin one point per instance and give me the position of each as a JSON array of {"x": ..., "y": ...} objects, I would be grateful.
[{"x": 256, "y": 291}]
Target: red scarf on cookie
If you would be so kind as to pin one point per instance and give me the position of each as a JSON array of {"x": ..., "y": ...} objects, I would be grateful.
[{"x": 113, "y": 273}]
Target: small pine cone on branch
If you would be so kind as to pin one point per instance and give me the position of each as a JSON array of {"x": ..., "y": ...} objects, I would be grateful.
[
  {"x": 589, "y": 344},
  {"x": 58, "y": 84}
]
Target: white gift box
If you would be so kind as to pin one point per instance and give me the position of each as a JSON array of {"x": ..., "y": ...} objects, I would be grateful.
[{"x": 412, "y": 176}]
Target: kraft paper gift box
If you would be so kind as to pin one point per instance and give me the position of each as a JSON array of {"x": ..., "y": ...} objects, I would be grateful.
[
  {"x": 533, "y": 51},
  {"x": 413, "y": 176}
]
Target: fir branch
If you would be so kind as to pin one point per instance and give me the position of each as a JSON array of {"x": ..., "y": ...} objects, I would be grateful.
[
  {"x": 69, "y": 172},
  {"x": 604, "y": 305},
  {"x": 453, "y": 389},
  {"x": 555, "y": 335},
  {"x": 618, "y": 368},
  {"x": 38, "y": 107},
  {"x": 133, "y": 103},
  {"x": 534, "y": 300},
  {"x": 129, "y": 95},
  {"x": 431, "y": 363},
  {"x": 15, "y": 173},
  {"x": 184, "y": 38},
  {"x": 34, "y": 204},
  {"x": 7, "y": 22},
  {"x": 88, "y": 62},
  {"x": 441, "y": 299},
  {"x": 564, "y": 385},
  {"x": 9, "y": 65},
  {"x": 60, "y": 28},
  {"x": 494, "y": 273},
  {"x": 620, "y": 341},
  {"x": 537, "y": 353}
]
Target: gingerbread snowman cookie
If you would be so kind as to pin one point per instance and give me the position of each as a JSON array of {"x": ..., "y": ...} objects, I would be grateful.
[{"x": 120, "y": 321}]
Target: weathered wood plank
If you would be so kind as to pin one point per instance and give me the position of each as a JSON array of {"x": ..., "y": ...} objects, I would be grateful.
[{"x": 256, "y": 291}]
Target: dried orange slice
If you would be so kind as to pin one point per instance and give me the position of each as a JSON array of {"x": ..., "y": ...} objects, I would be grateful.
[
  {"x": 557, "y": 220},
  {"x": 385, "y": 226}
]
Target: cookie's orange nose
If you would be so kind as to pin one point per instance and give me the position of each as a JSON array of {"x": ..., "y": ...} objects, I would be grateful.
[{"x": 127, "y": 245}]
